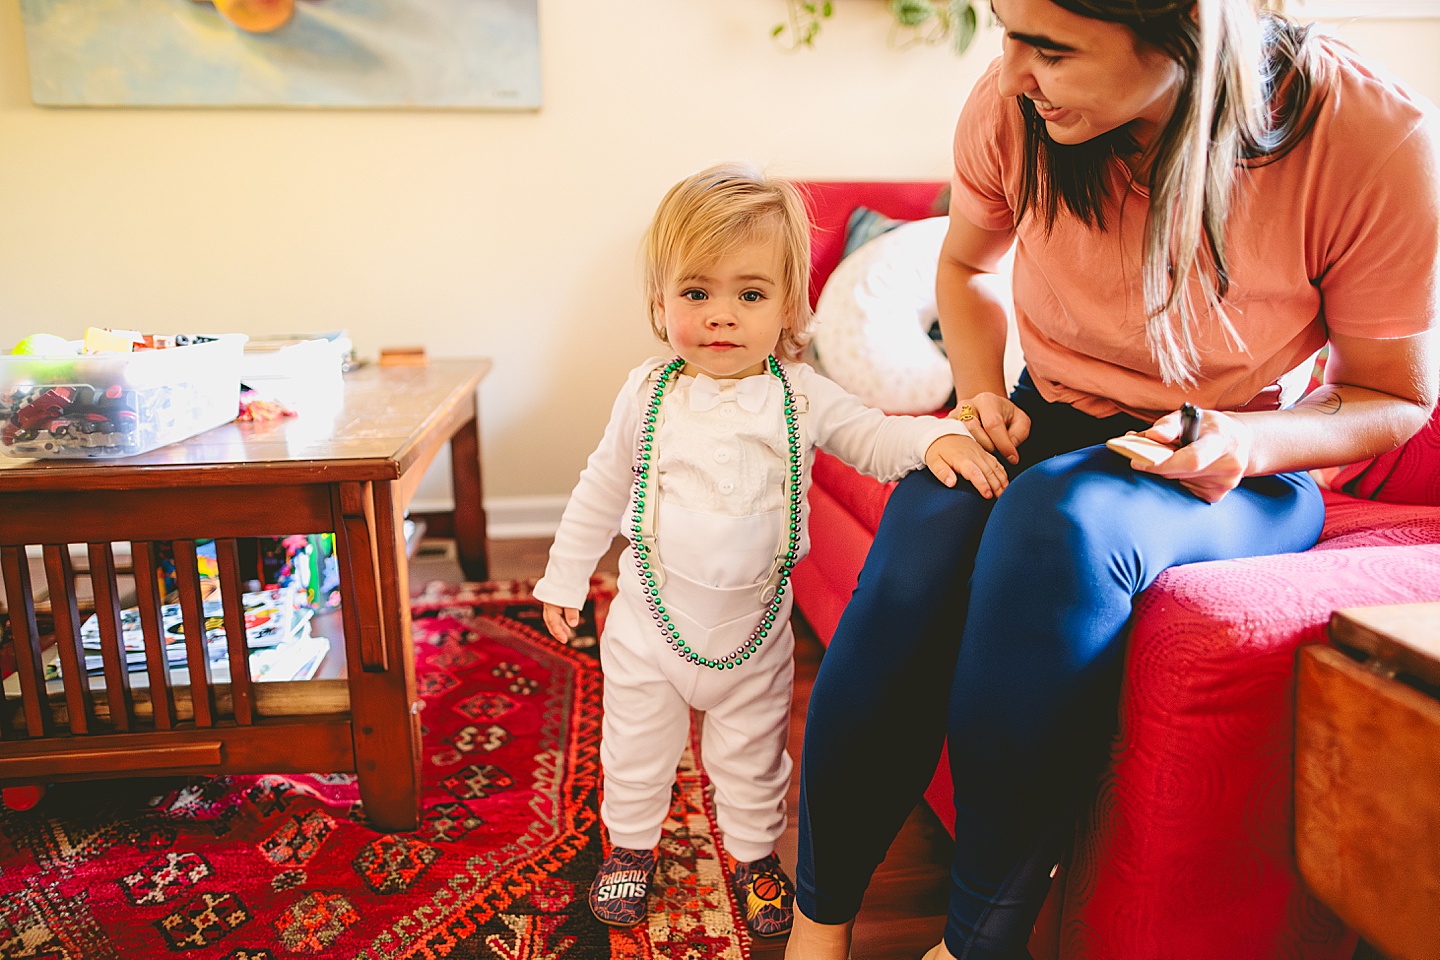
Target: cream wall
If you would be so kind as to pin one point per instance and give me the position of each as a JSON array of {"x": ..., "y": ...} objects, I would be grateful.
[
  {"x": 511, "y": 236},
  {"x": 506, "y": 235}
]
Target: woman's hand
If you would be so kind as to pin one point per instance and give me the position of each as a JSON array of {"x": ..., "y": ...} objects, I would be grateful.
[
  {"x": 560, "y": 621},
  {"x": 1211, "y": 466},
  {"x": 996, "y": 424},
  {"x": 953, "y": 455}
]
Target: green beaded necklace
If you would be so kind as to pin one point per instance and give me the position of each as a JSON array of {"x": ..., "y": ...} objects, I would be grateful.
[{"x": 645, "y": 562}]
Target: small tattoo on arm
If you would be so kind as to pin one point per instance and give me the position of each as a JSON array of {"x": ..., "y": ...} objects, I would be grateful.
[{"x": 1326, "y": 402}]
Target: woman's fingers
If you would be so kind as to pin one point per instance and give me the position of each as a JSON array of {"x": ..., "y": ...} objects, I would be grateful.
[
  {"x": 1211, "y": 466},
  {"x": 997, "y": 428},
  {"x": 996, "y": 424}
]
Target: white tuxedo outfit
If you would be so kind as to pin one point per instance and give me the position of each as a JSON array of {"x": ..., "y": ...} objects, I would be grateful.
[{"x": 719, "y": 461}]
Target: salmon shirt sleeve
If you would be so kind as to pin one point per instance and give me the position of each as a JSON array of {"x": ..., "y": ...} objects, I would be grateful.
[
  {"x": 985, "y": 147},
  {"x": 1377, "y": 259}
]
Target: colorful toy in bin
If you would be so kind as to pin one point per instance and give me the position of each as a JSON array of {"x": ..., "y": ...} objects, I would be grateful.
[
  {"x": 45, "y": 345},
  {"x": 74, "y": 415},
  {"x": 115, "y": 404}
]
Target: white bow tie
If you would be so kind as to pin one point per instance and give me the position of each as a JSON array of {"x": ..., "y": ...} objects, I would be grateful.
[{"x": 750, "y": 392}]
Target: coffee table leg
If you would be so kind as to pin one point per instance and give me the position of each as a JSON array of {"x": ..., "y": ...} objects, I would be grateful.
[
  {"x": 469, "y": 501},
  {"x": 384, "y": 708}
]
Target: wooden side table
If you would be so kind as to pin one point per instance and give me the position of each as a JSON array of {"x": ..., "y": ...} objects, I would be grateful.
[
  {"x": 352, "y": 474},
  {"x": 1367, "y": 775}
]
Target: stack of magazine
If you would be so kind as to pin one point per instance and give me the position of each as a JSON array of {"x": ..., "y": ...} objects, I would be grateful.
[{"x": 277, "y": 629}]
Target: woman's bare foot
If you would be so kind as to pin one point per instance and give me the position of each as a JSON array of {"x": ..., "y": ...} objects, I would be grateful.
[
  {"x": 818, "y": 941},
  {"x": 939, "y": 952}
]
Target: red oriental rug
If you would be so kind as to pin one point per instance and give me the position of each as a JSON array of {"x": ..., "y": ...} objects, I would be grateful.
[{"x": 268, "y": 867}]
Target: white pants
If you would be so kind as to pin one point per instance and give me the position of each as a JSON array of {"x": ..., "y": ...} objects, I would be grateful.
[{"x": 649, "y": 690}]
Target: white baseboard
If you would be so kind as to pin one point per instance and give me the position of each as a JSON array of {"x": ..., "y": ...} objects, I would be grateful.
[{"x": 509, "y": 518}]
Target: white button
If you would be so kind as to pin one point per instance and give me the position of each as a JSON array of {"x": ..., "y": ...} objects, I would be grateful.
[
  {"x": 722, "y": 455},
  {"x": 728, "y": 410},
  {"x": 727, "y": 487}
]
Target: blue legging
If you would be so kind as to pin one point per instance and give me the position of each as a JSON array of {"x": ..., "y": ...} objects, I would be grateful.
[{"x": 1002, "y": 623}]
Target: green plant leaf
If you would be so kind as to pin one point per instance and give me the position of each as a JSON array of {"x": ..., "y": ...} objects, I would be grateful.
[
  {"x": 966, "y": 23},
  {"x": 827, "y": 9},
  {"x": 911, "y": 13},
  {"x": 778, "y": 29}
]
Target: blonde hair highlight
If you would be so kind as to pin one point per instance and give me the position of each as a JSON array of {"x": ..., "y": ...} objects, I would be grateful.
[{"x": 717, "y": 211}]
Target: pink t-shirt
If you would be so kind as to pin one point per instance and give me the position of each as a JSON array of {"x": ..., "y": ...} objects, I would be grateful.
[{"x": 1340, "y": 234}]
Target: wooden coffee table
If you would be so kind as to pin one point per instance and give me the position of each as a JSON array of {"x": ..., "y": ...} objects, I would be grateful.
[{"x": 351, "y": 473}]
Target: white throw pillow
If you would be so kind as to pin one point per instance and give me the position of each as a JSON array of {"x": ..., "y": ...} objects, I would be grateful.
[{"x": 873, "y": 319}]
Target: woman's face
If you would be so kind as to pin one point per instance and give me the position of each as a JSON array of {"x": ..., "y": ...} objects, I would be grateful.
[{"x": 1085, "y": 77}]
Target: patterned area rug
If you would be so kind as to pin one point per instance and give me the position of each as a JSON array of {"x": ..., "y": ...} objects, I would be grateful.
[{"x": 266, "y": 867}]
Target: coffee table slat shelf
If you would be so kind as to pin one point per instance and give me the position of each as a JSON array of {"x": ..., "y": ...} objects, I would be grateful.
[{"x": 351, "y": 473}]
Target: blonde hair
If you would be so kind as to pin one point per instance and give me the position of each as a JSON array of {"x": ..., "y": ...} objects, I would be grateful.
[
  {"x": 717, "y": 211},
  {"x": 1247, "y": 97}
]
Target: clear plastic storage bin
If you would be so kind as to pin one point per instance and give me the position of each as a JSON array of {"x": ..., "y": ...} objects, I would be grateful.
[{"x": 117, "y": 404}]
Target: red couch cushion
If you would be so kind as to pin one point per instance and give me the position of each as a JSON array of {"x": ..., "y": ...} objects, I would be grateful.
[
  {"x": 1363, "y": 523},
  {"x": 830, "y": 204},
  {"x": 863, "y": 497},
  {"x": 1410, "y": 474},
  {"x": 1191, "y": 833}
]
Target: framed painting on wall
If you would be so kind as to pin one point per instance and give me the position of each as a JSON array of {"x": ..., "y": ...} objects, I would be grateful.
[{"x": 462, "y": 54}]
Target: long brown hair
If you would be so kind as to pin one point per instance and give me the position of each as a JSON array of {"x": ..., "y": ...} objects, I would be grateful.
[{"x": 1247, "y": 97}]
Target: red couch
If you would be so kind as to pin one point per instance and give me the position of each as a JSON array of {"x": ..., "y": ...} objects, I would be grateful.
[{"x": 1187, "y": 849}]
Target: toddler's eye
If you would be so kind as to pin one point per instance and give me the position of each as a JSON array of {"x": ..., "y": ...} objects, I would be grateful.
[
  {"x": 751, "y": 296},
  {"x": 696, "y": 295}
]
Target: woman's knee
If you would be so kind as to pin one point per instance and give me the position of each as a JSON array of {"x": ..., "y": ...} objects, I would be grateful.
[
  {"x": 928, "y": 531},
  {"x": 1065, "y": 516},
  {"x": 1032, "y": 519}
]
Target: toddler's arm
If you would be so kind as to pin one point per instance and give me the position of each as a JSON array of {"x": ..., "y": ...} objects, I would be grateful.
[
  {"x": 597, "y": 504},
  {"x": 887, "y": 447}
]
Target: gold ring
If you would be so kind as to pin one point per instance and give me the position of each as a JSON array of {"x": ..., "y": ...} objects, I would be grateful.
[{"x": 966, "y": 412}]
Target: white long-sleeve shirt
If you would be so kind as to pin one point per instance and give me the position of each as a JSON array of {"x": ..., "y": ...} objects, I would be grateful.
[{"x": 726, "y": 460}]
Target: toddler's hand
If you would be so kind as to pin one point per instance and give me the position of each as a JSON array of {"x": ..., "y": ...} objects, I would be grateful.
[
  {"x": 560, "y": 621},
  {"x": 954, "y": 454}
]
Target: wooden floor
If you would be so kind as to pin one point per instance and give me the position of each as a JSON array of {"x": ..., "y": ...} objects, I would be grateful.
[{"x": 904, "y": 910}]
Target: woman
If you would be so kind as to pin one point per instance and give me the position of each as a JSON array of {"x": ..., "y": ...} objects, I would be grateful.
[{"x": 1201, "y": 197}]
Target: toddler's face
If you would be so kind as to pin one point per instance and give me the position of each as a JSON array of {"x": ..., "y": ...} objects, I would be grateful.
[{"x": 724, "y": 318}]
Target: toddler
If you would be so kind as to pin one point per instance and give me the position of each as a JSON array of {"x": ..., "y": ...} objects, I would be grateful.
[{"x": 703, "y": 467}]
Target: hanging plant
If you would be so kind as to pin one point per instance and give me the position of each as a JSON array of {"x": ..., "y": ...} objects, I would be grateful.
[
  {"x": 914, "y": 21},
  {"x": 934, "y": 21},
  {"x": 803, "y": 24}
]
